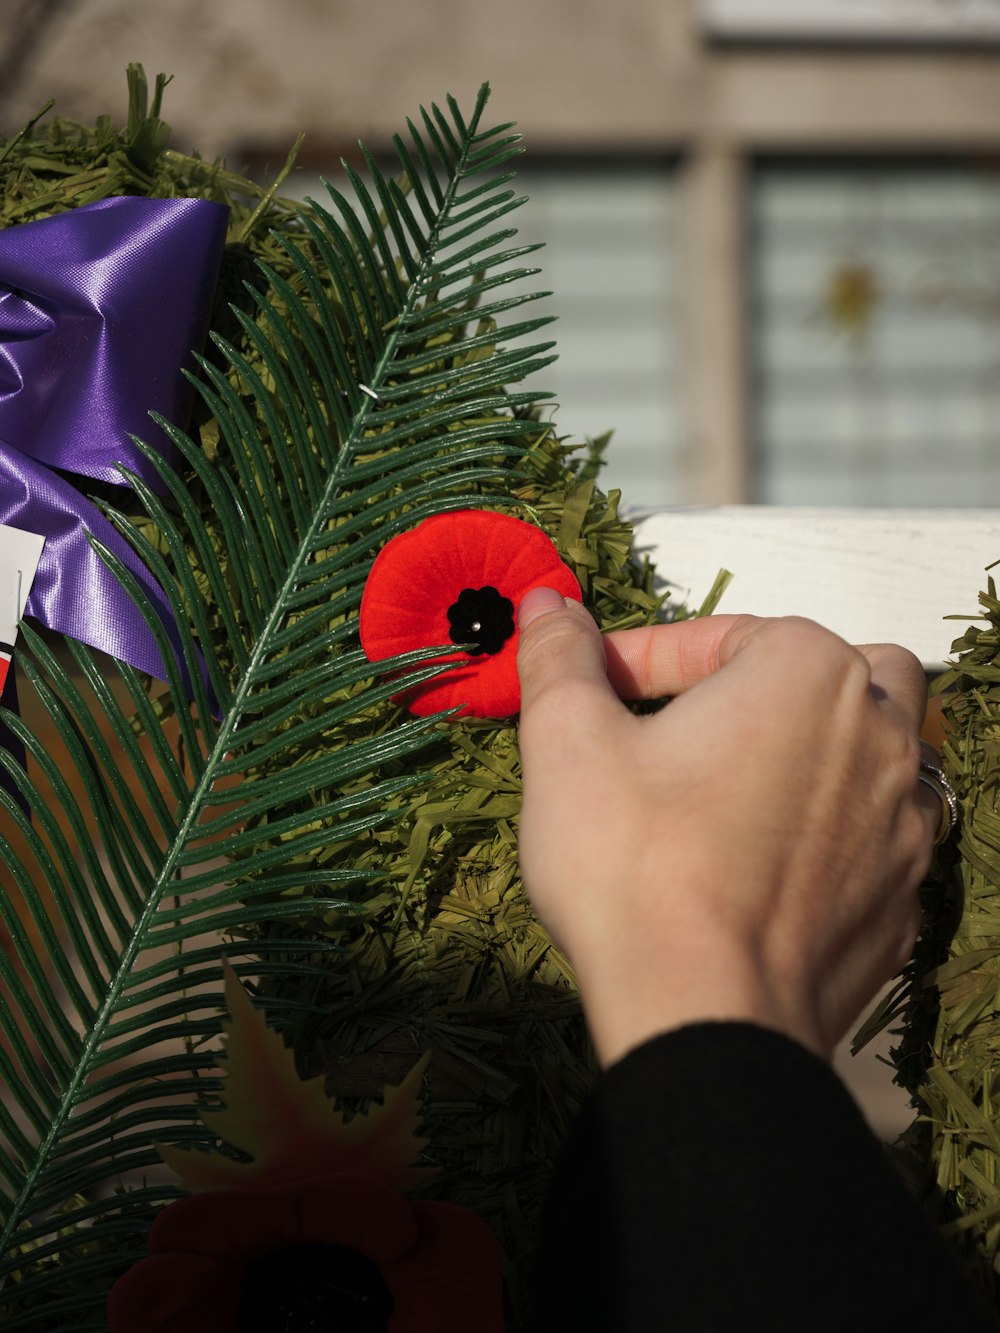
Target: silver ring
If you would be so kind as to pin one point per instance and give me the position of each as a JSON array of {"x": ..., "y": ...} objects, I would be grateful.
[{"x": 933, "y": 775}]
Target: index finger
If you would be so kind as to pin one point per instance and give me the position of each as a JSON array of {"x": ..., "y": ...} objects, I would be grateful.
[{"x": 657, "y": 660}]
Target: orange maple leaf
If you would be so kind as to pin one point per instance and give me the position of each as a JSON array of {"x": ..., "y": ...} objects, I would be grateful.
[{"x": 288, "y": 1126}]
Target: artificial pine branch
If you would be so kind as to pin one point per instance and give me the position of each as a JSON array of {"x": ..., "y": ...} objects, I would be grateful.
[{"x": 360, "y": 864}]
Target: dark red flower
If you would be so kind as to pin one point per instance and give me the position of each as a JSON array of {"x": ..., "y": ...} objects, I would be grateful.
[
  {"x": 460, "y": 577},
  {"x": 346, "y": 1252}
]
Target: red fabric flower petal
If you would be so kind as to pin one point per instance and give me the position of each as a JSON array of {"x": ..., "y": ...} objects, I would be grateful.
[
  {"x": 440, "y": 1262},
  {"x": 237, "y": 1226},
  {"x": 419, "y": 576},
  {"x": 176, "y": 1293},
  {"x": 450, "y": 1281},
  {"x": 365, "y": 1215}
]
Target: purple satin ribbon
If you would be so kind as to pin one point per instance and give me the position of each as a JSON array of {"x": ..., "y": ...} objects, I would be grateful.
[{"x": 99, "y": 310}]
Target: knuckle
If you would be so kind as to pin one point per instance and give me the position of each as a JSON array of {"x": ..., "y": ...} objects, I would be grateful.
[{"x": 821, "y": 652}]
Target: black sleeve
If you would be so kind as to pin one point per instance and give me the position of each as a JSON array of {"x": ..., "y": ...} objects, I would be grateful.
[{"x": 721, "y": 1178}]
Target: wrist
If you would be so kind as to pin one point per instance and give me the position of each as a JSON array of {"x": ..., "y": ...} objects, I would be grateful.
[{"x": 630, "y": 1000}]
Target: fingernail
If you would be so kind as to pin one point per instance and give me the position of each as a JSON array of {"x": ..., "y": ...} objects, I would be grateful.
[{"x": 538, "y": 602}]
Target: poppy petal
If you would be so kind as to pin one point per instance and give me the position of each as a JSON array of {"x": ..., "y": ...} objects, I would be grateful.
[
  {"x": 419, "y": 574},
  {"x": 363, "y": 1214},
  {"x": 175, "y": 1293},
  {"x": 450, "y": 1281},
  {"x": 237, "y": 1226},
  {"x": 440, "y": 1262},
  {"x": 226, "y": 1225}
]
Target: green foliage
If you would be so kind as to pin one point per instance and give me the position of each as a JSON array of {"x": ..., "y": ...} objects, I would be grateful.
[
  {"x": 949, "y": 1058},
  {"x": 357, "y": 865},
  {"x": 946, "y": 1002}
]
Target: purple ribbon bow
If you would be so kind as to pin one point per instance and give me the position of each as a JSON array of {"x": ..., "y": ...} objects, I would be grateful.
[{"x": 99, "y": 310}]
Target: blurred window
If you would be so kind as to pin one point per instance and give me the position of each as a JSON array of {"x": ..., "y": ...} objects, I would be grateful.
[
  {"x": 909, "y": 21},
  {"x": 610, "y": 262},
  {"x": 874, "y": 333}
]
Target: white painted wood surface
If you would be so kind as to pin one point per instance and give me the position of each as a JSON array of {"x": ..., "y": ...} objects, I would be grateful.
[{"x": 871, "y": 575}]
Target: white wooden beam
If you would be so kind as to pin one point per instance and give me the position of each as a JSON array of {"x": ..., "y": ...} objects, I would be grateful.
[{"x": 871, "y": 575}]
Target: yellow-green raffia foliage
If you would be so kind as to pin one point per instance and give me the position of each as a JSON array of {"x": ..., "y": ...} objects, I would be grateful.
[{"x": 947, "y": 1004}]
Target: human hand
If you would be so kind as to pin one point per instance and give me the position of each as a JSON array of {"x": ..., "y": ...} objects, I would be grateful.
[{"x": 753, "y": 850}]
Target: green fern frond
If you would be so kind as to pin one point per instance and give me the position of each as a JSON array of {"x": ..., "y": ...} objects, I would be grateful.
[{"x": 366, "y": 385}]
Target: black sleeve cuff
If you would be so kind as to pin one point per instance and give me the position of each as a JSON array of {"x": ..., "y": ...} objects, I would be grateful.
[{"x": 721, "y": 1177}]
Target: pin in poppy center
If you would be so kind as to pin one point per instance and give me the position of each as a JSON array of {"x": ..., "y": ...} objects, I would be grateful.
[
  {"x": 314, "y": 1287},
  {"x": 482, "y": 617}
]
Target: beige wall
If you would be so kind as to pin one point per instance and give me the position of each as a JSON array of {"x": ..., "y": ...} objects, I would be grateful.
[
  {"x": 574, "y": 74},
  {"x": 248, "y": 71}
]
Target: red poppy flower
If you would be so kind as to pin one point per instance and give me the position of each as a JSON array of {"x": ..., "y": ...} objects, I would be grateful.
[
  {"x": 460, "y": 577},
  {"x": 309, "y": 1231},
  {"x": 346, "y": 1252}
]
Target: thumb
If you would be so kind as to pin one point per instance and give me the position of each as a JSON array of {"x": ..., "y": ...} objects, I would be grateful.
[{"x": 558, "y": 644}]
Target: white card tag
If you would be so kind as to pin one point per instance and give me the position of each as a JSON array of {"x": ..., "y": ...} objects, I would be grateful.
[{"x": 19, "y": 556}]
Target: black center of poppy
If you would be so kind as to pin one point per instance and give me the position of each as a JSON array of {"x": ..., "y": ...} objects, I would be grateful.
[
  {"x": 313, "y": 1287},
  {"x": 482, "y": 617}
]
